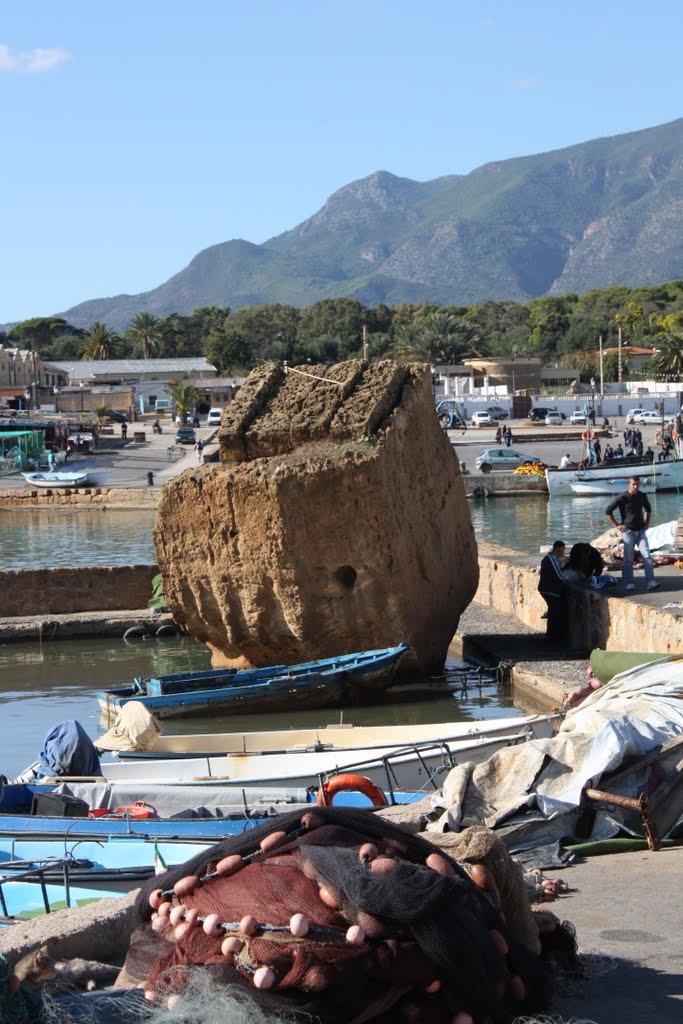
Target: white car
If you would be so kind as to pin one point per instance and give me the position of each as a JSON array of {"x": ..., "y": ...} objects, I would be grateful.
[
  {"x": 578, "y": 417},
  {"x": 651, "y": 417},
  {"x": 553, "y": 419},
  {"x": 503, "y": 458},
  {"x": 214, "y": 418},
  {"x": 633, "y": 415},
  {"x": 481, "y": 419}
]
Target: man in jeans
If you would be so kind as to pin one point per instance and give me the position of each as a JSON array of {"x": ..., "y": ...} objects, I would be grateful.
[{"x": 635, "y": 518}]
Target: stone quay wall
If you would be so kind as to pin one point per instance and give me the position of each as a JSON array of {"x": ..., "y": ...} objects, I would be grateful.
[
  {"x": 66, "y": 591},
  {"x": 595, "y": 618},
  {"x": 81, "y": 497}
]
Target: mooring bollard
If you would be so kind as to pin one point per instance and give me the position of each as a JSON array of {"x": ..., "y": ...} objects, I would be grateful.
[{"x": 150, "y": 479}]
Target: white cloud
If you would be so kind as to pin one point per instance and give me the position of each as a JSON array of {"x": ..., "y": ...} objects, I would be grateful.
[
  {"x": 31, "y": 61},
  {"x": 524, "y": 83}
]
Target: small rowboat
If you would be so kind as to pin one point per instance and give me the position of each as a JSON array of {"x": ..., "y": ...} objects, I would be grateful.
[
  {"x": 329, "y": 682},
  {"x": 593, "y": 488},
  {"x": 56, "y": 479}
]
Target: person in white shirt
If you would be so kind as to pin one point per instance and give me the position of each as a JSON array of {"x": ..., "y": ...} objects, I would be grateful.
[{"x": 567, "y": 462}]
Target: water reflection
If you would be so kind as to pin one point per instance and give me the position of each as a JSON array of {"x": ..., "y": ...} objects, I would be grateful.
[
  {"x": 44, "y": 684},
  {"x": 37, "y": 538},
  {"x": 526, "y": 522}
]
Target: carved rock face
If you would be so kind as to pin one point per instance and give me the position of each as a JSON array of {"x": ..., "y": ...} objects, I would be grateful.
[{"x": 335, "y": 522}]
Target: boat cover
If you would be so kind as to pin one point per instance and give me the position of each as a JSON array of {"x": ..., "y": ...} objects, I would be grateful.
[
  {"x": 68, "y": 750},
  {"x": 533, "y": 792},
  {"x": 194, "y": 801},
  {"x": 135, "y": 728}
]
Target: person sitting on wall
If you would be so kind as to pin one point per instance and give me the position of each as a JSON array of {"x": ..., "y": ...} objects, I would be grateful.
[{"x": 552, "y": 586}]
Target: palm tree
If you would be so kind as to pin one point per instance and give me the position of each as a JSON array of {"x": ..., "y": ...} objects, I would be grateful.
[
  {"x": 184, "y": 396},
  {"x": 412, "y": 343},
  {"x": 668, "y": 359},
  {"x": 145, "y": 334},
  {"x": 100, "y": 342}
]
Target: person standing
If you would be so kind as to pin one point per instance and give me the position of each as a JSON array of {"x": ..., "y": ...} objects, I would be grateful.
[
  {"x": 124, "y": 431},
  {"x": 636, "y": 513},
  {"x": 552, "y": 586},
  {"x": 199, "y": 448}
]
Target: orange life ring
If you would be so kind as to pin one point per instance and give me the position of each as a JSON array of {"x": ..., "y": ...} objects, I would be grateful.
[
  {"x": 350, "y": 783},
  {"x": 588, "y": 435}
]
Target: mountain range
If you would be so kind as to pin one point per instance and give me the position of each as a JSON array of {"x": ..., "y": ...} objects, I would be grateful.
[{"x": 596, "y": 214}]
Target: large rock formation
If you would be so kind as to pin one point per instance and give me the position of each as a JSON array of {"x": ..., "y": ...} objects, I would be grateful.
[{"x": 336, "y": 521}]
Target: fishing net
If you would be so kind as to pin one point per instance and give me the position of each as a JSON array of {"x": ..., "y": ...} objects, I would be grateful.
[{"x": 337, "y": 916}]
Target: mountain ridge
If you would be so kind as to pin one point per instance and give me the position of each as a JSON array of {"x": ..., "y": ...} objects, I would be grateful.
[{"x": 590, "y": 215}]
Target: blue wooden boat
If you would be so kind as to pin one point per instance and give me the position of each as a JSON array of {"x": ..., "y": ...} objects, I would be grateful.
[
  {"x": 185, "y": 813},
  {"x": 330, "y": 682}
]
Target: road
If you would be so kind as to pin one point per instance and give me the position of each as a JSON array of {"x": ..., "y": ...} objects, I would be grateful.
[
  {"x": 550, "y": 448},
  {"x": 129, "y": 463}
]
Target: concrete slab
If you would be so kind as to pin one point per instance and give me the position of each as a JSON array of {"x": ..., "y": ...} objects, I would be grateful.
[{"x": 627, "y": 912}]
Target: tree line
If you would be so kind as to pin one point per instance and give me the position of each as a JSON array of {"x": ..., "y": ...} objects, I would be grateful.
[{"x": 563, "y": 328}]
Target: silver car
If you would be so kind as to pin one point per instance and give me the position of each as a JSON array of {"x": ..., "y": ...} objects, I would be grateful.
[{"x": 504, "y": 458}]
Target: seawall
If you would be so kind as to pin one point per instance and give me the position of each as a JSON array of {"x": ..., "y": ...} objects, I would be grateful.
[
  {"x": 606, "y": 619},
  {"x": 67, "y": 591}
]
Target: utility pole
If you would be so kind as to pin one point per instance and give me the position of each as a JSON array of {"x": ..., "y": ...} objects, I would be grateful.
[
  {"x": 365, "y": 342},
  {"x": 602, "y": 373},
  {"x": 619, "y": 364}
]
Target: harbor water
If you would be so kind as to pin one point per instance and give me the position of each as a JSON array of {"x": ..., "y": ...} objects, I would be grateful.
[{"x": 43, "y": 683}]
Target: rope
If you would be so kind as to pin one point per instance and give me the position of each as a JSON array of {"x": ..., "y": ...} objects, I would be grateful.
[{"x": 313, "y": 376}]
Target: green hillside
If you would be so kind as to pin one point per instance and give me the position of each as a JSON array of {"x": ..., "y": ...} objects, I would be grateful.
[{"x": 593, "y": 215}]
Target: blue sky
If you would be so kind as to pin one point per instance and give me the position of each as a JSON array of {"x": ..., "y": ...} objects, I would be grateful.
[{"x": 138, "y": 132}]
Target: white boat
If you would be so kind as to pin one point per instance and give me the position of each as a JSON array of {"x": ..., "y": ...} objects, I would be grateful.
[
  {"x": 591, "y": 488},
  {"x": 415, "y": 764},
  {"x": 339, "y": 738},
  {"x": 666, "y": 476},
  {"x": 57, "y": 479}
]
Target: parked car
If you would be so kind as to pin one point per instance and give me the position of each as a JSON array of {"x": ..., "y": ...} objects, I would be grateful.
[
  {"x": 448, "y": 414},
  {"x": 633, "y": 415},
  {"x": 214, "y": 418},
  {"x": 503, "y": 458},
  {"x": 481, "y": 419},
  {"x": 578, "y": 417},
  {"x": 553, "y": 419},
  {"x": 185, "y": 435},
  {"x": 540, "y": 412},
  {"x": 651, "y": 417},
  {"x": 116, "y": 417},
  {"x": 497, "y": 412}
]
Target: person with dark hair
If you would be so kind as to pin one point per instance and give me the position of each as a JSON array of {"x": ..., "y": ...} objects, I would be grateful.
[
  {"x": 552, "y": 586},
  {"x": 635, "y": 518}
]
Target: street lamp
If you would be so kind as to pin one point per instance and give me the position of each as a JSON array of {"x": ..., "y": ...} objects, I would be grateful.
[{"x": 593, "y": 400}]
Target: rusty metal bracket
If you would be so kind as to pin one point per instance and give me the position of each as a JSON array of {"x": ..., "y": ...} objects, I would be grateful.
[{"x": 640, "y": 806}]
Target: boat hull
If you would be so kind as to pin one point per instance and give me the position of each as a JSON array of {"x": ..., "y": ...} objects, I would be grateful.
[
  {"x": 415, "y": 767},
  {"x": 329, "y": 737},
  {"x": 597, "y": 488},
  {"x": 332, "y": 682},
  {"x": 56, "y": 479},
  {"x": 667, "y": 476}
]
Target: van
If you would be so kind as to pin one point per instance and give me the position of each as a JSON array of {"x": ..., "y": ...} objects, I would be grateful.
[
  {"x": 214, "y": 418},
  {"x": 163, "y": 405}
]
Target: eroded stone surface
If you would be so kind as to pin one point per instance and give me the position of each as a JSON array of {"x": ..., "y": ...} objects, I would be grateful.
[{"x": 336, "y": 521}]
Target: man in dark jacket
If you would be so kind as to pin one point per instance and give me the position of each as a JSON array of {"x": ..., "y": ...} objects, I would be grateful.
[
  {"x": 552, "y": 586},
  {"x": 635, "y": 518}
]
